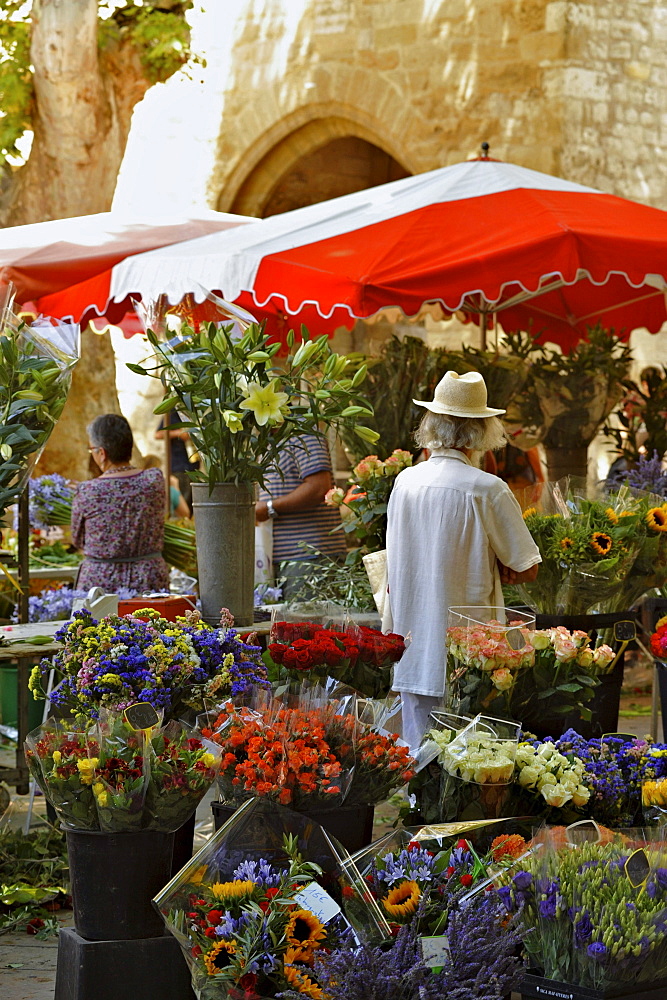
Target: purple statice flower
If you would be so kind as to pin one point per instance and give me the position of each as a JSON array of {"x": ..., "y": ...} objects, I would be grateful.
[
  {"x": 52, "y": 605},
  {"x": 260, "y": 872}
]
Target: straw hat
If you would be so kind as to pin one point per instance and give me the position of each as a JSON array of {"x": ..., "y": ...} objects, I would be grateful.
[{"x": 460, "y": 396}]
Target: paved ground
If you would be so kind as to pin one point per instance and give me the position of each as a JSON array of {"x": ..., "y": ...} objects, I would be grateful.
[{"x": 27, "y": 966}]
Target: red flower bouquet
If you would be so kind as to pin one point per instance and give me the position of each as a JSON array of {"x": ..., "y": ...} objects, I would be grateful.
[
  {"x": 306, "y": 758},
  {"x": 659, "y": 639},
  {"x": 361, "y": 657}
]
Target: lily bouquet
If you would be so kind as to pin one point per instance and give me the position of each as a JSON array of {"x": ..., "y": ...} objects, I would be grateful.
[
  {"x": 114, "y": 778},
  {"x": 36, "y": 364},
  {"x": 518, "y": 672},
  {"x": 240, "y": 405},
  {"x": 117, "y": 661},
  {"x": 596, "y": 912},
  {"x": 261, "y": 901}
]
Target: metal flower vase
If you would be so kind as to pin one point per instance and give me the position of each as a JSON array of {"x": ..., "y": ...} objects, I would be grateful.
[{"x": 225, "y": 532}]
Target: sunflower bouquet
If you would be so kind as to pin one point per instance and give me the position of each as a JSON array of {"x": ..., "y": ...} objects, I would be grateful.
[
  {"x": 595, "y": 552},
  {"x": 261, "y": 901}
]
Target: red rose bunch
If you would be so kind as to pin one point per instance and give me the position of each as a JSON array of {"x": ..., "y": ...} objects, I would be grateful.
[{"x": 324, "y": 652}]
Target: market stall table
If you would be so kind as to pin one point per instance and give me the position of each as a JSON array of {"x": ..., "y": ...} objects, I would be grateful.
[{"x": 23, "y": 652}]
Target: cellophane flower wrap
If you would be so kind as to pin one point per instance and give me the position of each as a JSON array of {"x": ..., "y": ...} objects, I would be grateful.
[
  {"x": 175, "y": 666},
  {"x": 599, "y": 552},
  {"x": 108, "y": 776},
  {"x": 495, "y": 777},
  {"x": 498, "y": 662},
  {"x": 306, "y": 753},
  {"x": 596, "y": 911},
  {"x": 263, "y": 898},
  {"x": 357, "y": 655},
  {"x": 434, "y": 890},
  {"x": 36, "y": 364}
]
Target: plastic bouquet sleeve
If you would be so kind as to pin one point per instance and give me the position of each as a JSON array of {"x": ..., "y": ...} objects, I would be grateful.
[
  {"x": 36, "y": 365},
  {"x": 122, "y": 776},
  {"x": 254, "y": 907},
  {"x": 183, "y": 767},
  {"x": 63, "y": 762}
]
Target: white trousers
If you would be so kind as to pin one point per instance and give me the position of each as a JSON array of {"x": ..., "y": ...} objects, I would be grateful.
[{"x": 416, "y": 709}]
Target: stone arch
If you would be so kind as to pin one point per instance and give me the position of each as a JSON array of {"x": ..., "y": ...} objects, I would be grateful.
[
  {"x": 258, "y": 193},
  {"x": 364, "y": 106}
]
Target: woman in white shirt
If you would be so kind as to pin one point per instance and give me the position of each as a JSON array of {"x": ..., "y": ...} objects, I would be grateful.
[{"x": 454, "y": 536}]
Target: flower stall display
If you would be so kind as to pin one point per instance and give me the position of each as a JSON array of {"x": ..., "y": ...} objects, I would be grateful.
[
  {"x": 261, "y": 901},
  {"x": 596, "y": 914},
  {"x": 36, "y": 364},
  {"x": 307, "y": 758},
  {"x": 175, "y": 666},
  {"x": 114, "y": 778},
  {"x": 358, "y": 656},
  {"x": 598, "y": 554},
  {"x": 433, "y": 893},
  {"x": 553, "y": 780},
  {"x": 497, "y": 662}
]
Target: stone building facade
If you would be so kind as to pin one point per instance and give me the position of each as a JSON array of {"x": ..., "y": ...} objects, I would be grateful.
[{"x": 303, "y": 100}]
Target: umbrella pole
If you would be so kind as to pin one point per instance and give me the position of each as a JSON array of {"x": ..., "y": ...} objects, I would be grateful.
[{"x": 483, "y": 327}]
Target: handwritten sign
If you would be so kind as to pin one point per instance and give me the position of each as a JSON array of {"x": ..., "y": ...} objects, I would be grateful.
[
  {"x": 141, "y": 716},
  {"x": 435, "y": 951},
  {"x": 313, "y": 897}
]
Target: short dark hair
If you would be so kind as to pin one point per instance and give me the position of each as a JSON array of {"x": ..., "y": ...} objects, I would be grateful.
[{"x": 113, "y": 433}]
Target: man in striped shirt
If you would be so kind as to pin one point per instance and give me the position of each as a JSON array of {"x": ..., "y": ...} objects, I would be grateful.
[{"x": 294, "y": 500}]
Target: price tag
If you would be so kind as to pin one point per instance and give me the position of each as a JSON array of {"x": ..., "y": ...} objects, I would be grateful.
[
  {"x": 435, "y": 952},
  {"x": 637, "y": 869},
  {"x": 314, "y": 898},
  {"x": 142, "y": 715}
]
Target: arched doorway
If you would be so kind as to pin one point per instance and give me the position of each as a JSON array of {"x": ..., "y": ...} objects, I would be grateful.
[{"x": 338, "y": 167}]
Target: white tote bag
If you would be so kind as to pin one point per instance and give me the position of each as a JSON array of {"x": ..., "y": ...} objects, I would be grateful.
[
  {"x": 264, "y": 552},
  {"x": 375, "y": 564}
]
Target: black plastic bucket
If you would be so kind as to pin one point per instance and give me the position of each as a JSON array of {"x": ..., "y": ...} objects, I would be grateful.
[
  {"x": 114, "y": 878},
  {"x": 352, "y": 826}
]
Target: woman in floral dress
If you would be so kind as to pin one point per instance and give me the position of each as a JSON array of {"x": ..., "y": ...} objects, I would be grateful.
[{"x": 118, "y": 518}]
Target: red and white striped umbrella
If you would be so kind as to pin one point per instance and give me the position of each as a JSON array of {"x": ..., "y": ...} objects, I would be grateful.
[
  {"x": 64, "y": 265},
  {"x": 478, "y": 237}
]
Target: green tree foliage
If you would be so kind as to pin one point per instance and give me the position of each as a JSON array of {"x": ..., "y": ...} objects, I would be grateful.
[{"x": 157, "y": 29}]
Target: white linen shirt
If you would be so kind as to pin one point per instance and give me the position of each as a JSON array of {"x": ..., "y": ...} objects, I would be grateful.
[{"x": 448, "y": 525}]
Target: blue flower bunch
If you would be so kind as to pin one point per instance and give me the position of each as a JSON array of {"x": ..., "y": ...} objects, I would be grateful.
[
  {"x": 56, "y": 604},
  {"x": 589, "y": 922},
  {"x": 117, "y": 661},
  {"x": 615, "y": 770},
  {"x": 50, "y": 500}
]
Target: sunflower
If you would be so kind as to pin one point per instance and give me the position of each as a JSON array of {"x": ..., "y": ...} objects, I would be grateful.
[
  {"x": 601, "y": 543},
  {"x": 528, "y": 512},
  {"x": 566, "y": 543},
  {"x": 304, "y": 930},
  {"x": 657, "y": 519},
  {"x": 219, "y": 956},
  {"x": 403, "y": 900},
  {"x": 232, "y": 890},
  {"x": 302, "y": 956},
  {"x": 298, "y": 980},
  {"x": 611, "y": 515}
]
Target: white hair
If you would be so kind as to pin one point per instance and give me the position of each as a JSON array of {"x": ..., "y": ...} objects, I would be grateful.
[{"x": 439, "y": 430}]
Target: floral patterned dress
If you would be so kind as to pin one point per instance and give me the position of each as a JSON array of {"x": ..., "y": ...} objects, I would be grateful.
[{"x": 119, "y": 523}]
